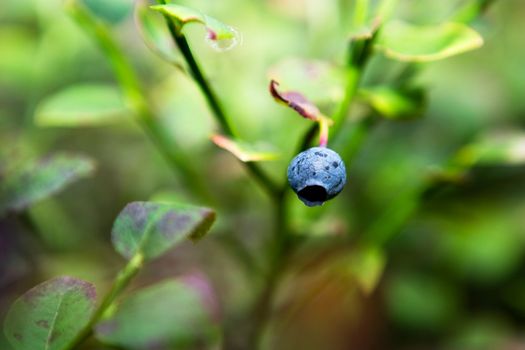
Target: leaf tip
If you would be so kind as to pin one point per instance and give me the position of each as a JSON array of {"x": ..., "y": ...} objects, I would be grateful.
[
  {"x": 296, "y": 101},
  {"x": 208, "y": 218}
]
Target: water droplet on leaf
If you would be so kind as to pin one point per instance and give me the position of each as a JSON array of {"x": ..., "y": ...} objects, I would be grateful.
[{"x": 223, "y": 44}]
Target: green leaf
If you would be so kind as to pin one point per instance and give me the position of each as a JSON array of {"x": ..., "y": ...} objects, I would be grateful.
[
  {"x": 151, "y": 229},
  {"x": 406, "y": 42},
  {"x": 155, "y": 35},
  {"x": 113, "y": 11},
  {"x": 243, "y": 151},
  {"x": 492, "y": 149},
  {"x": 169, "y": 313},
  {"x": 29, "y": 182},
  {"x": 181, "y": 14},
  {"x": 395, "y": 103},
  {"x": 221, "y": 36},
  {"x": 82, "y": 105},
  {"x": 49, "y": 316},
  {"x": 367, "y": 266}
]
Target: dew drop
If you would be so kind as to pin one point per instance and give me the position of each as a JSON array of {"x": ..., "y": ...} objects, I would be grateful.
[{"x": 222, "y": 45}]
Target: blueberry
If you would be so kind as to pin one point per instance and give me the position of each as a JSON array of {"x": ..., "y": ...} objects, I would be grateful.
[{"x": 317, "y": 175}]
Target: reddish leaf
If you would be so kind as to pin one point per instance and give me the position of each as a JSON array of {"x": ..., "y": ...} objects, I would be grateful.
[{"x": 296, "y": 101}]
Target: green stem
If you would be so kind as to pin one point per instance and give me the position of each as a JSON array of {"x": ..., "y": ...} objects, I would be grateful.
[
  {"x": 133, "y": 93},
  {"x": 196, "y": 72},
  {"x": 201, "y": 81},
  {"x": 180, "y": 40},
  {"x": 352, "y": 77},
  {"x": 263, "y": 179},
  {"x": 121, "y": 282},
  {"x": 360, "y": 50},
  {"x": 283, "y": 247},
  {"x": 307, "y": 139},
  {"x": 350, "y": 142},
  {"x": 262, "y": 308}
]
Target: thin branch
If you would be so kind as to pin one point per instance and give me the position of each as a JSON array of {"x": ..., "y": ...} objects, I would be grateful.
[
  {"x": 180, "y": 40},
  {"x": 122, "y": 280}
]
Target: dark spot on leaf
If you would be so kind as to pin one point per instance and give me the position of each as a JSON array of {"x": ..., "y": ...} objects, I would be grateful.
[
  {"x": 42, "y": 323},
  {"x": 59, "y": 285},
  {"x": 326, "y": 168},
  {"x": 139, "y": 213},
  {"x": 174, "y": 223},
  {"x": 72, "y": 283},
  {"x": 335, "y": 164}
]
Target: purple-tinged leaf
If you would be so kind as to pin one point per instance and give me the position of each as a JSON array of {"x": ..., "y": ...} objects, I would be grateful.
[
  {"x": 51, "y": 315},
  {"x": 151, "y": 229},
  {"x": 296, "y": 101},
  {"x": 35, "y": 180}
]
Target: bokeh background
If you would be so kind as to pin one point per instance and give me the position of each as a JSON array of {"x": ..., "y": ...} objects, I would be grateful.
[{"x": 450, "y": 275}]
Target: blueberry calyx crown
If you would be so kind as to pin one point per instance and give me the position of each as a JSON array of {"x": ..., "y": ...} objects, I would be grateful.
[{"x": 317, "y": 175}]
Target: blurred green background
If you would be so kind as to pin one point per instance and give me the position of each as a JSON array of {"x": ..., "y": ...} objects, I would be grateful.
[{"x": 450, "y": 277}]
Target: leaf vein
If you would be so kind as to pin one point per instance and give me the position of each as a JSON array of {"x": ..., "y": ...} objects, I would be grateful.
[{"x": 53, "y": 321}]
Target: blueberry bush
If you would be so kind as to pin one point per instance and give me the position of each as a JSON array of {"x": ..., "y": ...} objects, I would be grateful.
[{"x": 261, "y": 174}]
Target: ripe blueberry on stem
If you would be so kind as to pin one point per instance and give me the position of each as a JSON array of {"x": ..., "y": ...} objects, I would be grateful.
[{"x": 317, "y": 175}]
